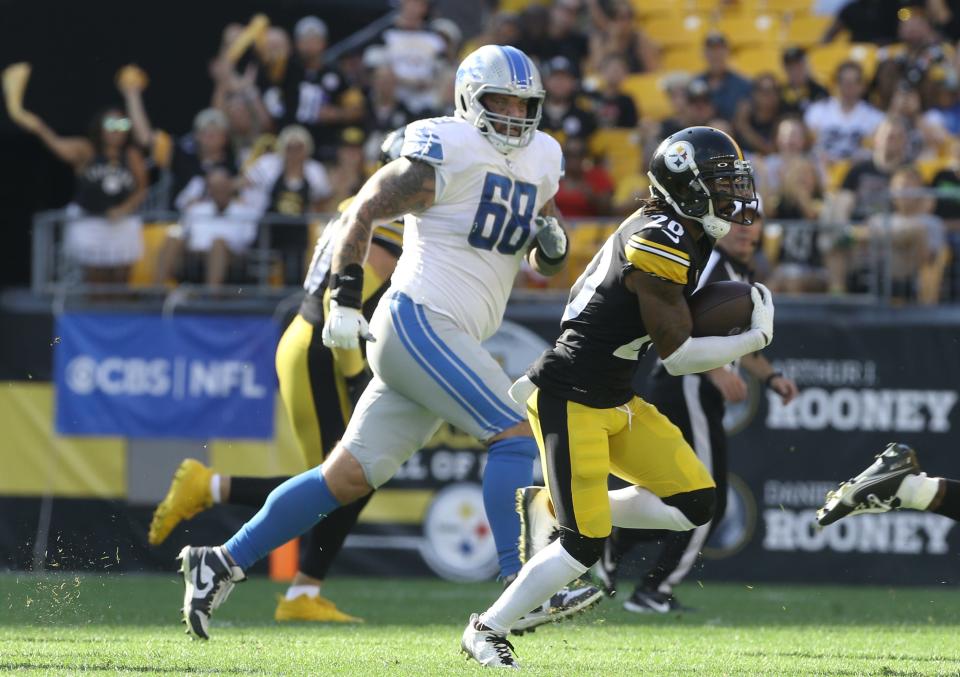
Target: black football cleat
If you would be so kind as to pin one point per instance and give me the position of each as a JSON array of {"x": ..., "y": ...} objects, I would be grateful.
[
  {"x": 652, "y": 602},
  {"x": 208, "y": 578},
  {"x": 873, "y": 490}
]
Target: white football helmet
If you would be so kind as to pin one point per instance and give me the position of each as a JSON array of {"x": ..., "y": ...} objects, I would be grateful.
[{"x": 498, "y": 69}]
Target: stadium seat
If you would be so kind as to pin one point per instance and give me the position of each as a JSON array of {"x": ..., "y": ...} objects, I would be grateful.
[
  {"x": 648, "y": 9},
  {"x": 749, "y": 29},
  {"x": 806, "y": 31},
  {"x": 836, "y": 173},
  {"x": 929, "y": 168},
  {"x": 792, "y": 7},
  {"x": 752, "y": 61},
  {"x": 824, "y": 59},
  {"x": 619, "y": 147},
  {"x": 930, "y": 277},
  {"x": 669, "y": 32},
  {"x": 585, "y": 239},
  {"x": 651, "y": 100},
  {"x": 143, "y": 271},
  {"x": 688, "y": 58}
]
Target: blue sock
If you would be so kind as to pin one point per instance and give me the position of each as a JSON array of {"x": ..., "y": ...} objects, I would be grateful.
[
  {"x": 291, "y": 509},
  {"x": 509, "y": 467}
]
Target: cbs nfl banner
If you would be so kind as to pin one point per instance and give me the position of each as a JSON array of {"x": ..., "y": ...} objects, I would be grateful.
[{"x": 144, "y": 376}]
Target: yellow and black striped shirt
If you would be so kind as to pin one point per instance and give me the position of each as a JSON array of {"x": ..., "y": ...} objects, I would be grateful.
[{"x": 603, "y": 334}]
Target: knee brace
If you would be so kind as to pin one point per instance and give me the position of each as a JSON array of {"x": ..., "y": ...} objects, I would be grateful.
[
  {"x": 582, "y": 548},
  {"x": 697, "y": 506}
]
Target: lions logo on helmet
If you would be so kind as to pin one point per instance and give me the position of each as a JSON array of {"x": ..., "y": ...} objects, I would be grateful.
[
  {"x": 701, "y": 173},
  {"x": 496, "y": 69}
]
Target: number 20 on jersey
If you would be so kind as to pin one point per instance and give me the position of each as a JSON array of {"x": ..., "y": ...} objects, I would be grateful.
[{"x": 497, "y": 225}]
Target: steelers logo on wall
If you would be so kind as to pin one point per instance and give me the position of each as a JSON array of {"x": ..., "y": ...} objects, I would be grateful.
[{"x": 458, "y": 543}]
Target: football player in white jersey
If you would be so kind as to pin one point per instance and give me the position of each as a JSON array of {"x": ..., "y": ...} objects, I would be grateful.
[{"x": 477, "y": 191}]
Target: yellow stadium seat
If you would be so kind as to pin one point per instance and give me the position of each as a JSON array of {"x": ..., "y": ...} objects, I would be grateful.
[
  {"x": 807, "y": 30},
  {"x": 683, "y": 58},
  {"x": 793, "y": 7},
  {"x": 670, "y": 31},
  {"x": 929, "y": 168},
  {"x": 824, "y": 59},
  {"x": 649, "y": 97},
  {"x": 143, "y": 271},
  {"x": 621, "y": 148},
  {"x": 836, "y": 173},
  {"x": 749, "y": 29},
  {"x": 752, "y": 61},
  {"x": 647, "y": 9}
]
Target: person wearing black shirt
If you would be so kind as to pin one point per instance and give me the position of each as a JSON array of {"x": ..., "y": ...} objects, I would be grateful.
[
  {"x": 695, "y": 404},
  {"x": 563, "y": 116},
  {"x": 612, "y": 107},
  {"x": 800, "y": 89}
]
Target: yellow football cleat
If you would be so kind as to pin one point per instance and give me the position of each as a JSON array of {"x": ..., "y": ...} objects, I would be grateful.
[
  {"x": 188, "y": 495},
  {"x": 306, "y": 608}
]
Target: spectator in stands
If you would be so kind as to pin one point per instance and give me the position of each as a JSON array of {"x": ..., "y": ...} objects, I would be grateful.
[
  {"x": 800, "y": 90},
  {"x": 727, "y": 88},
  {"x": 103, "y": 232},
  {"x": 273, "y": 55},
  {"x": 842, "y": 122},
  {"x": 317, "y": 96},
  {"x": 925, "y": 131},
  {"x": 291, "y": 184},
  {"x": 238, "y": 98},
  {"x": 864, "y": 189},
  {"x": 288, "y": 181},
  {"x": 564, "y": 37},
  {"x": 913, "y": 235},
  {"x": 155, "y": 145},
  {"x": 452, "y": 37},
  {"x": 792, "y": 141},
  {"x": 866, "y": 21},
  {"x": 800, "y": 267},
  {"x": 757, "y": 116},
  {"x": 946, "y": 103},
  {"x": 502, "y": 28},
  {"x": 563, "y": 116},
  {"x": 947, "y": 184},
  {"x": 349, "y": 172},
  {"x": 585, "y": 189},
  {"x": 216, "y": 231},
  {"x": 384, "y": 111},
  {"x": 615, "y": 32},
  {"x": 197, "y": 154},
  {"x": 692, "y": 105},
  {"x": 611, "y": 106},
  {"x": 415, "y": 51}
]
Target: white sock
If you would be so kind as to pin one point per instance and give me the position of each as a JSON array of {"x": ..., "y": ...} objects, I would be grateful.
[
  {"x": 918, "y": 491},
  {"x": 639, "y": 508},
  {"x": 546, "y": 573},
  {"x": 295, "y": 591},
  {"x": 215, "y": 487}
]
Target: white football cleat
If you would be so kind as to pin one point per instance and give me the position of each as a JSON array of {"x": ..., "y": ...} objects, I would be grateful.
[
  {"x": 208, "y": 578},
  {"x": 487, "y": 647}
]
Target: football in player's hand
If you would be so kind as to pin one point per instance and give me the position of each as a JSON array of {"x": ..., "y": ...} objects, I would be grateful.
[{"x": 721, "y": 309}]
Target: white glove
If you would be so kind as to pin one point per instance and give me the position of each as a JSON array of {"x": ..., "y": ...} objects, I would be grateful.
[
  {"x": 345, "y": 327},
  {"x": 762, "y": 316},
  {"x": 551, "y": 238}
]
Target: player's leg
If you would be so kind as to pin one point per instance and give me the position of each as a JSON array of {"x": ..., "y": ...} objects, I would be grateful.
[
  {"x": 385, "y": 430},
  {"x": 575, "y": 457},
  {"x": 894, "y": 480},
  {"x": 443, "y": 368},
  {"x": 699, "y": 416}
]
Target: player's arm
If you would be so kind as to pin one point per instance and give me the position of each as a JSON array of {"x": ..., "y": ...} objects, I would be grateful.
[
  {"x": 548, "y": 252},
  {"x": 400, "y": 187},
  {"x": 667, "y": 318},
  {"x": 760, "y": 368}
]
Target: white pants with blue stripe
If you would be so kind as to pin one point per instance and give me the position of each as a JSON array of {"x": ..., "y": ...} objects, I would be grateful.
[{"x": 426, "y": 370}]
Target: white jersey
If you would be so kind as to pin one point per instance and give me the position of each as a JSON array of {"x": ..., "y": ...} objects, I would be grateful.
[
  {"x": 840, "y": 134},
  {"x": 461, "y": 255}
]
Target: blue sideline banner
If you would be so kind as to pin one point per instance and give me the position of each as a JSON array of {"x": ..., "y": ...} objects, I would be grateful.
[{"x": 193, "y": 377}]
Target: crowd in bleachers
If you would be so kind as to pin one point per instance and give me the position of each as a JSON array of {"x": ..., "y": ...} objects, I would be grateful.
[{"x": 848, "y": 109}]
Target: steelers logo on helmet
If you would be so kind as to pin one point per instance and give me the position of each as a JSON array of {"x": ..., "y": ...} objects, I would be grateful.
[{"x": 679, "y": 157}]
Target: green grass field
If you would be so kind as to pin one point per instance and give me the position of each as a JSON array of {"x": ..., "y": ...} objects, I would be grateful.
[{"x": 115, "y": 624}]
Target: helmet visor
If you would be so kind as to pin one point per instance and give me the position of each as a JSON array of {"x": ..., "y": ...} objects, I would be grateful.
[{"x": 733, "y": 194}]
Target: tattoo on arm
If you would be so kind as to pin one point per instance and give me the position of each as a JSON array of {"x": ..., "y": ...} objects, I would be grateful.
[
  {"x": 664, "y": 311},
  {"x": 401, "y": 187}
]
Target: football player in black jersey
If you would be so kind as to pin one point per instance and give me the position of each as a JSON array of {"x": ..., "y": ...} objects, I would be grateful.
[
  {"x": 319, "y": 387},
  {"x": 585, "y": 416}
]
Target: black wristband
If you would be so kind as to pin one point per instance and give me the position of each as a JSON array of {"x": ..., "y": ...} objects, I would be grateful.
[
  {"x": 767, "y": 381},
  {"x": 346, "y": 288}
]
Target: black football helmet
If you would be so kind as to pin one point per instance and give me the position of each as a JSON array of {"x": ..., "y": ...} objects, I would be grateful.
[
  {"x": 701, "y": 173},
  {"x": 392, "y": 143}
]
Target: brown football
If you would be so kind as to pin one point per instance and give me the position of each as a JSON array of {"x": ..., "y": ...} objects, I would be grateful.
[{"x": 721, "y": 308}]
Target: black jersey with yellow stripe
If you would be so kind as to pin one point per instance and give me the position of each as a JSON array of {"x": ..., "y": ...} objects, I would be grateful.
[
  {"x": 387, "y": 235},
  {"x": 603, "y": 334}
]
